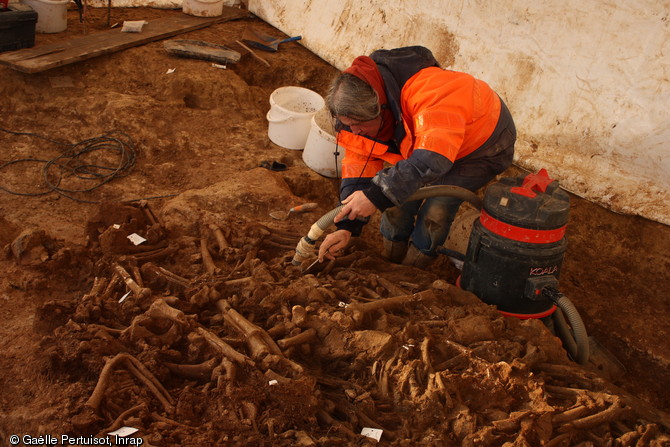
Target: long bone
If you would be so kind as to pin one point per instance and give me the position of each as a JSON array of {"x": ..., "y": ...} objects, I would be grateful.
[
  {"x": 224, "y": 348},
  {"x": 609, "y": 414},
  {"x": 220, "y": 238},
  {"x": 359, "y": 310},
  {"x": 140, "y": 292},
  {"x": 303, "y": 337},
  {"x": 151, "y": 269},
  {"x": 202, "y": 371},
  {"x": 138, "y": 370},
  {"x": 259, "y": 342},
  {"x": 207, "y": 260}
]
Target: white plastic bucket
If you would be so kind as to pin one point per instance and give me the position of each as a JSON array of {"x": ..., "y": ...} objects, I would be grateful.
[
  {"x": 202, "y": 8},
  {"x": 290, "y": 115},
  {"x": 51, "y": 15},
  {"x": 319, "y": 153}
]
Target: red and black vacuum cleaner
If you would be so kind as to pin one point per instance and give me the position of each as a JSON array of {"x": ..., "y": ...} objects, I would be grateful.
[{"x": 515, "y": 253}]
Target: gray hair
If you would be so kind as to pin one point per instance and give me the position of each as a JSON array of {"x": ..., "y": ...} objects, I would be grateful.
[{"x": 352, "y": 97}]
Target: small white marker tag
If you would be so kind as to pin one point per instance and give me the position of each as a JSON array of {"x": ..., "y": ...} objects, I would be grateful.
[
  {"x": 123, "y": 432},
  {"x": 136, "y": 239},
  {"x": 373, "y": 433},
  {"x": 272, "y": 382}
]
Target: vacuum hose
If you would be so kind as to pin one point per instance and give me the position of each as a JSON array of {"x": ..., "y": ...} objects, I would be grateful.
[
  {"x": 576, "y": 341},
  {"x": 306, "y": 247}
]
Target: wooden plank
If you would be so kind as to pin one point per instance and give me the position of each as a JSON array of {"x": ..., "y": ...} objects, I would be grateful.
[
  {"x": 45, "y": 57},
  {"x": 197, "y": 49}
]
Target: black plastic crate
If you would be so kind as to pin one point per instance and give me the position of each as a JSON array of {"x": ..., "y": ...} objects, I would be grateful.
[{"x": 17, "y": 27}]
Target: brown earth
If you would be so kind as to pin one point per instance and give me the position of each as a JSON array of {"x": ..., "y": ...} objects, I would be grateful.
[{"x": 193, "y": 360}]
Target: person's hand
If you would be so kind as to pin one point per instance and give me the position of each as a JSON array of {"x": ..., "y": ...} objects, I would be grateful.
[
  {"x": 356, "y": 205},
  {"x": 334, "y": 244}
]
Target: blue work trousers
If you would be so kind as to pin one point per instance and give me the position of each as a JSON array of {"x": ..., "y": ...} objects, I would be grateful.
[{"x": 426, "y": 223}]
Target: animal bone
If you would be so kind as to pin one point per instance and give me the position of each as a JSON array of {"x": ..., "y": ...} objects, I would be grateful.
[
  {"x": 92, "y": 298},
  {"x": 118, "y": 422},
  {"x": 98, "y": 285},
  {"x": 207, "y": 260},
  {"x": 201, "y": 371},
  {"x": 466, "y": 354},
  {"x": 137, "y": 276},
  {"x": 109, "y": 289},
  {"x": 259, "y": 342},
  {"x": 595, "y": 420},
  {"x": 148, "y": 212},
  {"x": 140, "y": 292},
  {"x": 138, "y": 370},
  {"x": 226, "y": 369},
  {"x": 371, "y": 293},
  {"x": 281, "y": 328},
  {"x": 303, "y": 337},
  {"x": 436, "y": 391},
  {"x": 204, "y": 296},
  {"x": 358, "y": 310},
  {"x": 392, "y": 288},
  {"x": 158, "y": 309},
  {"x": 298, "y": 315},
  {"x": 425, "y": 355},
  {"x": 151, "y": 255},
  {"x": 161, "y": 309},
  {"x": 220, "y": 238},
  {"x": 156, "y": 271},
  {"x": 239, "y": 281},
  {"x": 328, "y": 419},
  {"x": 224, "y": 348},
  {"x": 570, "y": 415},
  {"x": 272, "y": 243},
  {"x": 593, "y": 381},
  {"x": 558, "y": 440}
]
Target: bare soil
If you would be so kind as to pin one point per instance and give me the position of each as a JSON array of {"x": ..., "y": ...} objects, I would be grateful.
[{"x": 224, "y": 341}]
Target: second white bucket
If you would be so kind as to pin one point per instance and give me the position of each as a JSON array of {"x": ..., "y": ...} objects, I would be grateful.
[
  {"x": 290, "y": 114},
  {"x": 319, "y": 154},
  {"x": 202, "y": 8},
  {"x": 51, "y": 15}
]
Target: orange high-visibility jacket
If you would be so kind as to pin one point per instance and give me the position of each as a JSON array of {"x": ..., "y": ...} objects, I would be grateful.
[
  {"x": 446, "y": 112},
  {"x": 440, "y": 117}
]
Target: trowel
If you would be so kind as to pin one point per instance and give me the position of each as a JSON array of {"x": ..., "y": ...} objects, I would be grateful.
[
  {"x": 264, "y": 42},
  {"x": 280, "y": 215}
]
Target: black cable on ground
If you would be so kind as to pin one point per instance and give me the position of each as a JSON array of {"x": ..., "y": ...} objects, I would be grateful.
[{"x": 73, "y": 163}]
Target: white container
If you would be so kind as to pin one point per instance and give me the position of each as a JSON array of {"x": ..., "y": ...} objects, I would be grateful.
[
  {"x": 290, "y": 115},
  {"x": 319, "y": 154},
  {"x": 51, "y": 15},
  {"x": 203, "y": 8}
]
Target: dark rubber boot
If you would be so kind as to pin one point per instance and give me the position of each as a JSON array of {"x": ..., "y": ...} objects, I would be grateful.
[
  {"x": 395, "y": 250},
  {"x": 415, "y": 258}
]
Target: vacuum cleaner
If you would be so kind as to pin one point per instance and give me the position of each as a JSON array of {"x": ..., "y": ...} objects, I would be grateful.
[{"x": 515, "y": 253}]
